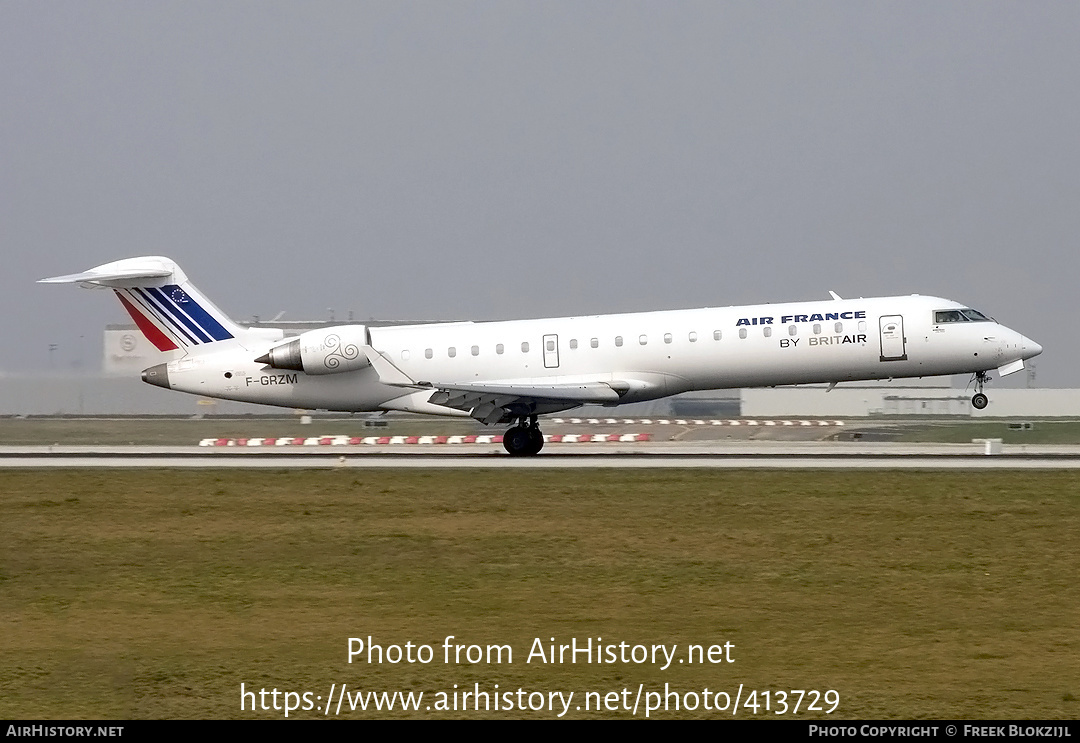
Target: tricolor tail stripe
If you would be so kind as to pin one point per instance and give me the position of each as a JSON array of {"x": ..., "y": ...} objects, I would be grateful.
[
  {"x": 170, "y": 310},
  {"x": 150, "y": 308},
  {"x": 149, "y": 329},
  {"x": 186, "y": 310},
  {"x": 187, "y": 303},
  {"x": 167, "y": 311}
]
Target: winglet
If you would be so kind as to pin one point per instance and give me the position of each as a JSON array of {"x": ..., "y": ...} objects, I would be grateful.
[
  {"x": 388, "y": 373},
  {"x": 834, "y": 295}
]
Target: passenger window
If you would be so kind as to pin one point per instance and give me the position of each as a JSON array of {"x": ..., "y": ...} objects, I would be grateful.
[
  {"x": 618, "y": 341},
  {"x": 642, "y": 339},
  {"x": 525, "y": 347},
  {"x": 428, "y": 353},
  {"x": 404, "y": 355},
  {"x": 792, "y": 330},
  {"x": 693, "y": 336},
  {"x": 717, "y": 335},
  {"x": 451, "y": 352},
  {"x": 667, "y": 337},
  {"x": 475, "y": 350},
  {"x": 862, "y": 326},
  {"x": 594, "y": 343},
  {"x": 742, "y": 332},
  {"x": 817, "y": 328},
  {"x": 550, "y": 345},
  {"x": 573, "y": 343},
  {"x": 498, "y": 348},
  {"x": 839, "y": 327},
  {"x": 768, "y": 331}
]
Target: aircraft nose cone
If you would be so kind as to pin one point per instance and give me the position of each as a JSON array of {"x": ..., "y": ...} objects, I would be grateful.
[{"x": 1031, "y": 348}]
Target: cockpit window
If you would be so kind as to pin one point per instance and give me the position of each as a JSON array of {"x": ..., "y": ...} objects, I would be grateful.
[
  {"x": 944, "y": 316},
  {"x": 965, "y": 315}
]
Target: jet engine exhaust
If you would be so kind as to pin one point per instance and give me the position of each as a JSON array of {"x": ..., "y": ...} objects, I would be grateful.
[
  {"x": 324, "y": 351},
  {"x": 286, "y": 356}
]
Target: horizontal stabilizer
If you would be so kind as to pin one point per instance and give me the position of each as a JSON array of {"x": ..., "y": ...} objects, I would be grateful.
[
  {"x": 90, "y": 277},
  {"x": 119, "y": 273}
]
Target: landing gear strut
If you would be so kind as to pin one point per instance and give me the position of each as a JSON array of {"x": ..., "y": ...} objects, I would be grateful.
[
  {"x": 979, "y": 400},
  {"x": 524, "y": 439}
]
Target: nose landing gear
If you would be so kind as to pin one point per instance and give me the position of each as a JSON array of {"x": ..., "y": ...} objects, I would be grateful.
[
  {"x": 524, "y": 439},
  {"x": 979, "y": 400}
]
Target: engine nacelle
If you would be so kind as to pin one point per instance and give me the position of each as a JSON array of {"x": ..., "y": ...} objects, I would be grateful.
[{"x": 324, "y": 351}]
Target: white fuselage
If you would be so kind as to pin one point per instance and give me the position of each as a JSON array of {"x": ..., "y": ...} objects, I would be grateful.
[{"x": 651, "y": 354}]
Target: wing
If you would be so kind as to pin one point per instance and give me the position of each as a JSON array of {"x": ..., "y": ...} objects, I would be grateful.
[
  {"x": 492, "y": 403},
  {"x": 496, "y": 401}
]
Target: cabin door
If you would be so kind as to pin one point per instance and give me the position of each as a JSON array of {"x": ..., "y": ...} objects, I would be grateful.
[
  {"x": 893, "y": 343},
  {"x": 551, "y": 352}
]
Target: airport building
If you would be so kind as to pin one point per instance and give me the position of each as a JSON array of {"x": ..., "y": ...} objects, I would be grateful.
[{"x": 903, "y": 398}]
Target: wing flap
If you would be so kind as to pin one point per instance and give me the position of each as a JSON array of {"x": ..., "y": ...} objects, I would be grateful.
[
  {"x": 579, "y": 393},
  {"x": 492, "y": 403}
]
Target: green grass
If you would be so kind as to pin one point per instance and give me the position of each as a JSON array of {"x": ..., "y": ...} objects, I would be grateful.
[{"x": 913, "y": 594}]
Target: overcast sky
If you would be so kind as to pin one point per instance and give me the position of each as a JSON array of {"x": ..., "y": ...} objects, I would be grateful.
[{"x": 494, "y": 160}]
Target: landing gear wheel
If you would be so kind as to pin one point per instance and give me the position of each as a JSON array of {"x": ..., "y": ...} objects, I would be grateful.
[
  {"x": 518, "y": 442},
  {"x": 536, "y": 440},
  {"x": 524, "y": 439},
  {"x": 979, "y": 400}
]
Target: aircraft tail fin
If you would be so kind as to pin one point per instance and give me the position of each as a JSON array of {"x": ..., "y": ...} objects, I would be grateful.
[{"x": 166, "y": 307}]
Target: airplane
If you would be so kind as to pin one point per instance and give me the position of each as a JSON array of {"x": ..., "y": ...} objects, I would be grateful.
[{"x": 514, "y": 371}]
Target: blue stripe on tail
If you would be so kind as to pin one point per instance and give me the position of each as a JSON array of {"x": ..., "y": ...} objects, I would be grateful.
[
  {"x": 188, "y": 304},
  {"x": 151, "y": 307},
  {"x": 168, "y": 310}
]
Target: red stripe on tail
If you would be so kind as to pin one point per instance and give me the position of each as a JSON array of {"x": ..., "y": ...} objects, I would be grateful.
[{"x": 151, "y": 331}]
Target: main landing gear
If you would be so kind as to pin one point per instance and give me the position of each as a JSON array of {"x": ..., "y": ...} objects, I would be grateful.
[
  {"x": 979, "y": 400},
  {"x": 524, "y": 439}
]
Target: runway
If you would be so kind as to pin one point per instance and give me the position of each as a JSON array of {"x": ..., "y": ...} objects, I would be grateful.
[{"x": 667, "y": 454}]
